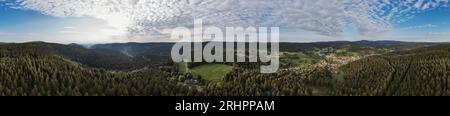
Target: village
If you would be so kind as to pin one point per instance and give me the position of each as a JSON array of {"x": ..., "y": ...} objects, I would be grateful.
[{"x": 327, "y": 58}]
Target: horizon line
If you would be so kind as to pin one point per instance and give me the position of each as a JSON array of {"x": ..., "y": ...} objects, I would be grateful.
[{"x": 225, "y": 42}]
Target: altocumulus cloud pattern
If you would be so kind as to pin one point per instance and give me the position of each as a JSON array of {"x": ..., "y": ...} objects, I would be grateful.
[{"x": 326, "y": 17}]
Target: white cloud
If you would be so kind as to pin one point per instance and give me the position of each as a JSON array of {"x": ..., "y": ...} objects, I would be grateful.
[
  {"x": 71, "y": 32},
  {"x": 439, "y": 33},
  {"x": 71, "y": 28},
  {"x": 326, "y": 17},
  {"x": 419, "y": 27}
]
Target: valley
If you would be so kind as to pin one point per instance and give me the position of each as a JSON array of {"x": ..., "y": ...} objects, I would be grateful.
[{"x": 361, "y": 68}]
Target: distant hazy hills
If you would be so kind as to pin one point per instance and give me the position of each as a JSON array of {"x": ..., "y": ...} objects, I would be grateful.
[
  {"x": 163, "y": 49},
  {"x": 138, "y": 49},
  {"x": 128, "y": 56},
  {"x": 394, "y": 45}
]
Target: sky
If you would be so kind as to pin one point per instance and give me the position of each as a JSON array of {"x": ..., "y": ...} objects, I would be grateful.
[{"x": 109, "y": 21}]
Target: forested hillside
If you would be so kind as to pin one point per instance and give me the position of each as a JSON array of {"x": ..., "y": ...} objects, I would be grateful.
[
  {"x": 43, "y": 69},
  {"x": 420, "y": 72},
  {"x": 98, "y": 58},
  {"x": 30, "y": 71}
]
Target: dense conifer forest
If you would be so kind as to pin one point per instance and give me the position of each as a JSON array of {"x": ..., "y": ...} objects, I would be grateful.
[{"x": 43, "y": 69}]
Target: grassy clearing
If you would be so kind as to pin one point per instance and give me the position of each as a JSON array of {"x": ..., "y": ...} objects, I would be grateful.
[
  {"x": 212, "y": 72},
  {"x": 296, "y": 58},
  {"x": 182, "y": 67}
]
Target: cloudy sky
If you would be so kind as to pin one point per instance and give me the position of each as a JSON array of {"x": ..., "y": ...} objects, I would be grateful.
[{"x": 105, "y": 21}]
